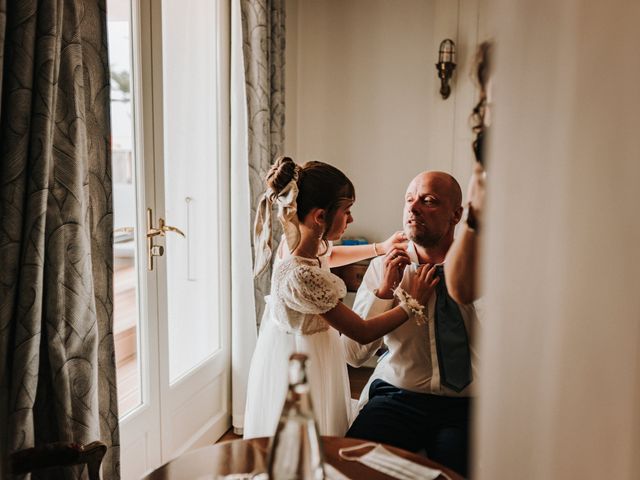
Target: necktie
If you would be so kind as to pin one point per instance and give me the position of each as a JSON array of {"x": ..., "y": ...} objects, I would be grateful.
[{"x": 452, "y": 342}]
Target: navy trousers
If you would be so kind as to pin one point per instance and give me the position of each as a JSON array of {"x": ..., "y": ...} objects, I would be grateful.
[{"x": 416, "y": 421}]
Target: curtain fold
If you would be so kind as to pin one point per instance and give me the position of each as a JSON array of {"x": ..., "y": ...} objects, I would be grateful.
[
  {"x": 57, "y": 366},
  {"x": 263, "y": 36},
  {"x": 3, "y": 25},
  {"x": 257, "y": 113},
  {"x": 243, "y": 312}
]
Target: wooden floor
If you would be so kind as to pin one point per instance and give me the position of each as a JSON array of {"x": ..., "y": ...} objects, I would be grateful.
[
  {"x": 128, "y": 379},
  {"x": 125, "y": 330},
  {"x": 358, "y": 378}
]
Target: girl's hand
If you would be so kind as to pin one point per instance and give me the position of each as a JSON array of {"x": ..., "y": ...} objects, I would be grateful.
[
  {"x": 476, "y": 191},
  {"x": 395, "y": 241},
  {"x": 423, "y": 283}
]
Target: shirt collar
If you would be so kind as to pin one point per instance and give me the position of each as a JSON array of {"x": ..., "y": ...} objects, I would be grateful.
[
  {"x": 413, "y": 255},
  {"x": 411, "y": 250}
]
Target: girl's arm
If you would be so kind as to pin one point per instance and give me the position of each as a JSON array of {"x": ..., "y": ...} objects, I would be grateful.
[
  {"x": 461, "y": 267},
  {"x": 345, "y": 320},
  {"x": 346, "y": 254}
]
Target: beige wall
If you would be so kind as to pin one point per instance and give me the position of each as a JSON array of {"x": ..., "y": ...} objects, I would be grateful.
[
  {"x": 560, "y": 373},
  {"x": 362, "y": 94},
  {"x": 559, "y": 390}
]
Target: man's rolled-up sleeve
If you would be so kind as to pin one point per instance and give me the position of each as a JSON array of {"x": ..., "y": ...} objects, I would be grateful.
[{"x": 367, "y": 305}]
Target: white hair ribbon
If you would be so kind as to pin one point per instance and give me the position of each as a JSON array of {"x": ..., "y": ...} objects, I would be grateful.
[{"x": 287, "y": 214}]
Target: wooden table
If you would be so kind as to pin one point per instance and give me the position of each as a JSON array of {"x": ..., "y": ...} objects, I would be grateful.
[{"x": 242, "y": 456}]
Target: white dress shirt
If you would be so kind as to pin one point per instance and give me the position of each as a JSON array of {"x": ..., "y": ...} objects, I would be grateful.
[{"x": 412, "y": 360}]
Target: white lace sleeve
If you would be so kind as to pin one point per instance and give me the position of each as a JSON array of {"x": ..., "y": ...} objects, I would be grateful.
[{"x": 311, "y": 290}]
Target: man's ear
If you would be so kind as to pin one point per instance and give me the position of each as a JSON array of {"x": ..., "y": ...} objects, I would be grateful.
[{"x": 457, "y": 214}]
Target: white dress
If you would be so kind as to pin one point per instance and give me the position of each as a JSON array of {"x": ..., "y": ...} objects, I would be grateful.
[{"x": 300, "y": 291}]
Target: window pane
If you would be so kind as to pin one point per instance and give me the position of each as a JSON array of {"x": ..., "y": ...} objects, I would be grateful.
[
  {"x": 191, "y": 166},
  {"x": 126, "y": 326}
]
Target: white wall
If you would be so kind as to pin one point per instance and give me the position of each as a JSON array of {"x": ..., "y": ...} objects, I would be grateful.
[
  {"x": 560, "y": 376},
  {"x": 362, "y": 94}
]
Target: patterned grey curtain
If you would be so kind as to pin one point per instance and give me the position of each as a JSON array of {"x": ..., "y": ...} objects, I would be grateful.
[
  {"x": 263, "y": 35},
  {"x": 57, "y": 367},
  {"x": 3, "y": 25}
]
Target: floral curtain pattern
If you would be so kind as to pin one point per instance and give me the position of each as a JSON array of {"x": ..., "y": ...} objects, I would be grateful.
[
  {"x": 57, "y": 365},
  {"x": 263, "y": 34}
]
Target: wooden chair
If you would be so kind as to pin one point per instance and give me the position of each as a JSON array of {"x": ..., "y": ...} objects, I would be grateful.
[{"x": 59, "y": 454}]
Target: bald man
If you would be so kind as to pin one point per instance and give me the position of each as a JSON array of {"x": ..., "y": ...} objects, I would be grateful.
[{"x": 408, "y": 403}]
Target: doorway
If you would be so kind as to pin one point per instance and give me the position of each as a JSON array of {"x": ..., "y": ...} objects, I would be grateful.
[{"x": 169, "y": 65}]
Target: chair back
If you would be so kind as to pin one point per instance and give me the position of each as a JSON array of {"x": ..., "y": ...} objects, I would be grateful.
[{"x": 59, "y": 454}]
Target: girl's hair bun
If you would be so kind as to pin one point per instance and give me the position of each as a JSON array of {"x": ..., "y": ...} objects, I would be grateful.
[{"x": 282, "y": 171}]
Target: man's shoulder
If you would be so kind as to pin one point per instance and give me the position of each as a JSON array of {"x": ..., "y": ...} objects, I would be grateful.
[{"x": 375, "y": 264}]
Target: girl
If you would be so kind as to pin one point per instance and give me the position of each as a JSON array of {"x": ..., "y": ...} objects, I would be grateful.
[{"x": 304, "y": 312}]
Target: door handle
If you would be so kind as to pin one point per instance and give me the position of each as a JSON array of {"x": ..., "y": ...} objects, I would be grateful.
[
  {"x": 168, "y": 228},
  {"x": 161, "y": 230}
]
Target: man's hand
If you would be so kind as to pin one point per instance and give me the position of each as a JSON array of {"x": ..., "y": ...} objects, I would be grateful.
[{"x": 394, "y": 264}]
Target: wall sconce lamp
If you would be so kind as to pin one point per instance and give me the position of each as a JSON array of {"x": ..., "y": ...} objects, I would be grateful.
[{"x": 446, "y": 65}]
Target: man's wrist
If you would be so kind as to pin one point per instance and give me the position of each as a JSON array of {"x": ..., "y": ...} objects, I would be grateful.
[{"x": 383, "y": 293}]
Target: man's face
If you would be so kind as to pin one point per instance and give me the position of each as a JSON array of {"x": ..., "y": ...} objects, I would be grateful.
[{"x": 430, "y": 213}]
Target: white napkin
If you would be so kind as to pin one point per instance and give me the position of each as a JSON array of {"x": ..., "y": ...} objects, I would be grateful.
[{"x": 382, "y": 460}]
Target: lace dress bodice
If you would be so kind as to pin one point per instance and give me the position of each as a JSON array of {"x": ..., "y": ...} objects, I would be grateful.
[{"x": 302, "y": 291}]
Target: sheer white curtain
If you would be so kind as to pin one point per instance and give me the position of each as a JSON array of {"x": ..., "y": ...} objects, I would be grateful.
[
  {"x": 243, "y": 311},
  {"x": 560, "y": 376},
  {"x": 258, "y": 35}
]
